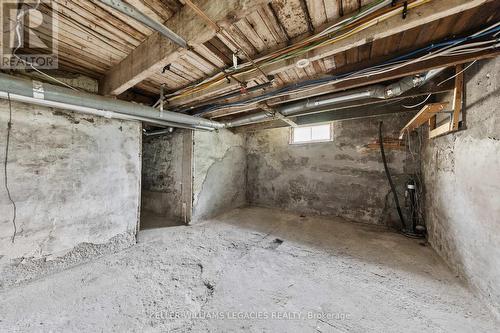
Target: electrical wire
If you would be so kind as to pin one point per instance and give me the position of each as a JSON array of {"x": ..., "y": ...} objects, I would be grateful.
[
  {"x": 449, "y": 46},
  {"x": 317, "y": 41},
  {"x": 6, "y": 161},
  {"x": 457, "y": 74},
  {"x": 418, "y": 104},
  {"x": 446, "y": 49},
  {"x": 18, "y": 27},
  {"x": 216, "y": 79},
  {"x": 389, "y": 178},
  {"x": 223, "y": 31}
]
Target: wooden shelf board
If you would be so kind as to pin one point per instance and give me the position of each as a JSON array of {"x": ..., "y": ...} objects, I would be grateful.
[{"x": 422, "y": 117}]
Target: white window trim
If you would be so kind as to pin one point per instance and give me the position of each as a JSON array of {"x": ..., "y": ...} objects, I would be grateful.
[{"x": 291, "y": 132}]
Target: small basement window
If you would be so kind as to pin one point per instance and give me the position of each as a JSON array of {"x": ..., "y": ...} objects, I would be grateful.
[{"x": 315, "y": 133}]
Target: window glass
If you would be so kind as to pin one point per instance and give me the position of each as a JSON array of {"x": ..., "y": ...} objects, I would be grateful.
[{"x": 316, "y": 133}]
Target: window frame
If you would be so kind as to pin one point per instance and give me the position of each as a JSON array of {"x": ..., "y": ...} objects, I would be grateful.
[{"x": 291, "y": 135}]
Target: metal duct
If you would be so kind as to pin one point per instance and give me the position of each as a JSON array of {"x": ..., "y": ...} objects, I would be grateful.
[
  {"x": 132, "y": 12},
  {"x": 36, "y": 92},
  {"x": 375, "y": 91}
]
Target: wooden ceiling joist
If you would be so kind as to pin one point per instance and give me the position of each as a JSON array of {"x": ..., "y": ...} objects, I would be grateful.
[
  {"x": 419, "y": 16},
  {"x": 156, "y": 51},
  {"x": 416, "y": 68}
]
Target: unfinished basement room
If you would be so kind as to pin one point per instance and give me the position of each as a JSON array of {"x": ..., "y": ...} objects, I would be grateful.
[{"x": 250, "y": 166}]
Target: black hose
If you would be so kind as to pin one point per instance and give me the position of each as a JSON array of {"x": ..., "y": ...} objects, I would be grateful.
[{"x": 389, "y": 178}]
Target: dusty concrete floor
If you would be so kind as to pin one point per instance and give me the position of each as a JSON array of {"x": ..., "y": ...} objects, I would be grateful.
[
  {"x": 351, "y": 277},
  {"x": 150, "y": 220}
]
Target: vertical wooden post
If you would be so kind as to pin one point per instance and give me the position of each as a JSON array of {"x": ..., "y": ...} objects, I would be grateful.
[
  {"x": 432, "y": 123},
  {"x": 457, "y": 97}
]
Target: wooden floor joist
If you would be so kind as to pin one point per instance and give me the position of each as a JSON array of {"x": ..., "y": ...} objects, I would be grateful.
[
  {"x": 422, "y": 117},
  {"x": 156, "y": 51},
  {"x": 419, "y": 16}
]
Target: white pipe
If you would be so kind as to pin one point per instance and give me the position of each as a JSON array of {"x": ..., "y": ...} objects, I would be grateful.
[
  {"x": 40, "y": 93},
  {"x": 91, "y": 111},
  {"x": 137, "y": 15}
]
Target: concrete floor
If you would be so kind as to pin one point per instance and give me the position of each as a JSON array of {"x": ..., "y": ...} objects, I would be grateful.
[
  {"x": 150, "y": 220},
  {"x": 348, "y": 277}
]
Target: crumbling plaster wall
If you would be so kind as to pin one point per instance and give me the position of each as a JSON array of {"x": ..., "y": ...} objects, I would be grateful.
[
  {"x": 341, "y": 177},
  {"x": 462, "y": 181},
  {"x": 74, "y": 178},
  {"x": 219, "y": 173},
  {"x": 162, "y": 174}
]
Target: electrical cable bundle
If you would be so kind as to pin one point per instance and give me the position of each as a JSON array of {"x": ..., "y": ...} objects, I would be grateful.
[
  {"x": 370, "y": 15},
  {"x": 480, "y": 41}
]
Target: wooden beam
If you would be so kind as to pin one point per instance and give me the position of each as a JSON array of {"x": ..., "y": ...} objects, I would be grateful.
[
  {"x": 429, "y": 88},
  {"x": 422, "y": 117},
  {"x": 457, "y": 97},
  {"x": 351, "y": 113},
  {"x": 440, "y": 130},
  {"x": 418, "y": 16},
  {"x": 156, "y": 51},
  {"x": 412, "y": 69}
]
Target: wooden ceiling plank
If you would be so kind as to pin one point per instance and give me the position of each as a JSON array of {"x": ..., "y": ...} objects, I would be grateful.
[
  {"x": 445, "y": 25},
  {"x": 352, "y": 55},
  {"x": 310, "y": 70},
  {"x": 424, "y": 15},
  {"x": 242, "y": 40},
  {"x": 409, "y": 70},
  {"x": 114, "y": 13},
  {"x": 156, "y": 6},
  {"x": 340, "y": 61},
  {"x": 248, "y": 29},
  {"x": 156, "y": 51},
  {"x": 291, "y": 17},
  {"x": 273, "y": 24},
  {"x": 316, "y": 12},
  {"x": 331, "y": 9},
  {"x": 218, "y": 53},
  {"x": 261, "y": 28},
  {"x": 103, "y": 16},
  {"x": 409, "y": 38},
  {"x": 74, "y": 35},
  {"x": 350, "y": 6},
  {"x": 69, "y": 50},
  {"x": 73, "y": 12},
  {"x": 364, "y": 52},
  {"x": 203, "y": 65}
]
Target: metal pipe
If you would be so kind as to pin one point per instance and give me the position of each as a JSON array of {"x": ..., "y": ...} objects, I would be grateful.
[
  {"x": 374, "y": 91},
  {"x": 159, "y": 132},
  {"x": 50, "y": 95},
  {"x": 95, "y": 112},
  {"x": 310, "y": 104},
  {"x": 137, "y": 15}
]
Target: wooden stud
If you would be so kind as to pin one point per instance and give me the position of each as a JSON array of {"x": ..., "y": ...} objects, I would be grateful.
[
  {"x": 422, "y": 117},
  {"x": 440, "y": 130},
  {"x": 457, "y": 96}
]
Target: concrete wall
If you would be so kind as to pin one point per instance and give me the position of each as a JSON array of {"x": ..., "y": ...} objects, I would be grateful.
[
  {"x": 462, "y": 178},
  {"x": 219, "y": 171},
  {"x": 162, "y": 175},
  {"x": 340, "y": 178},
  {"x": 74, "y": 178}
]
